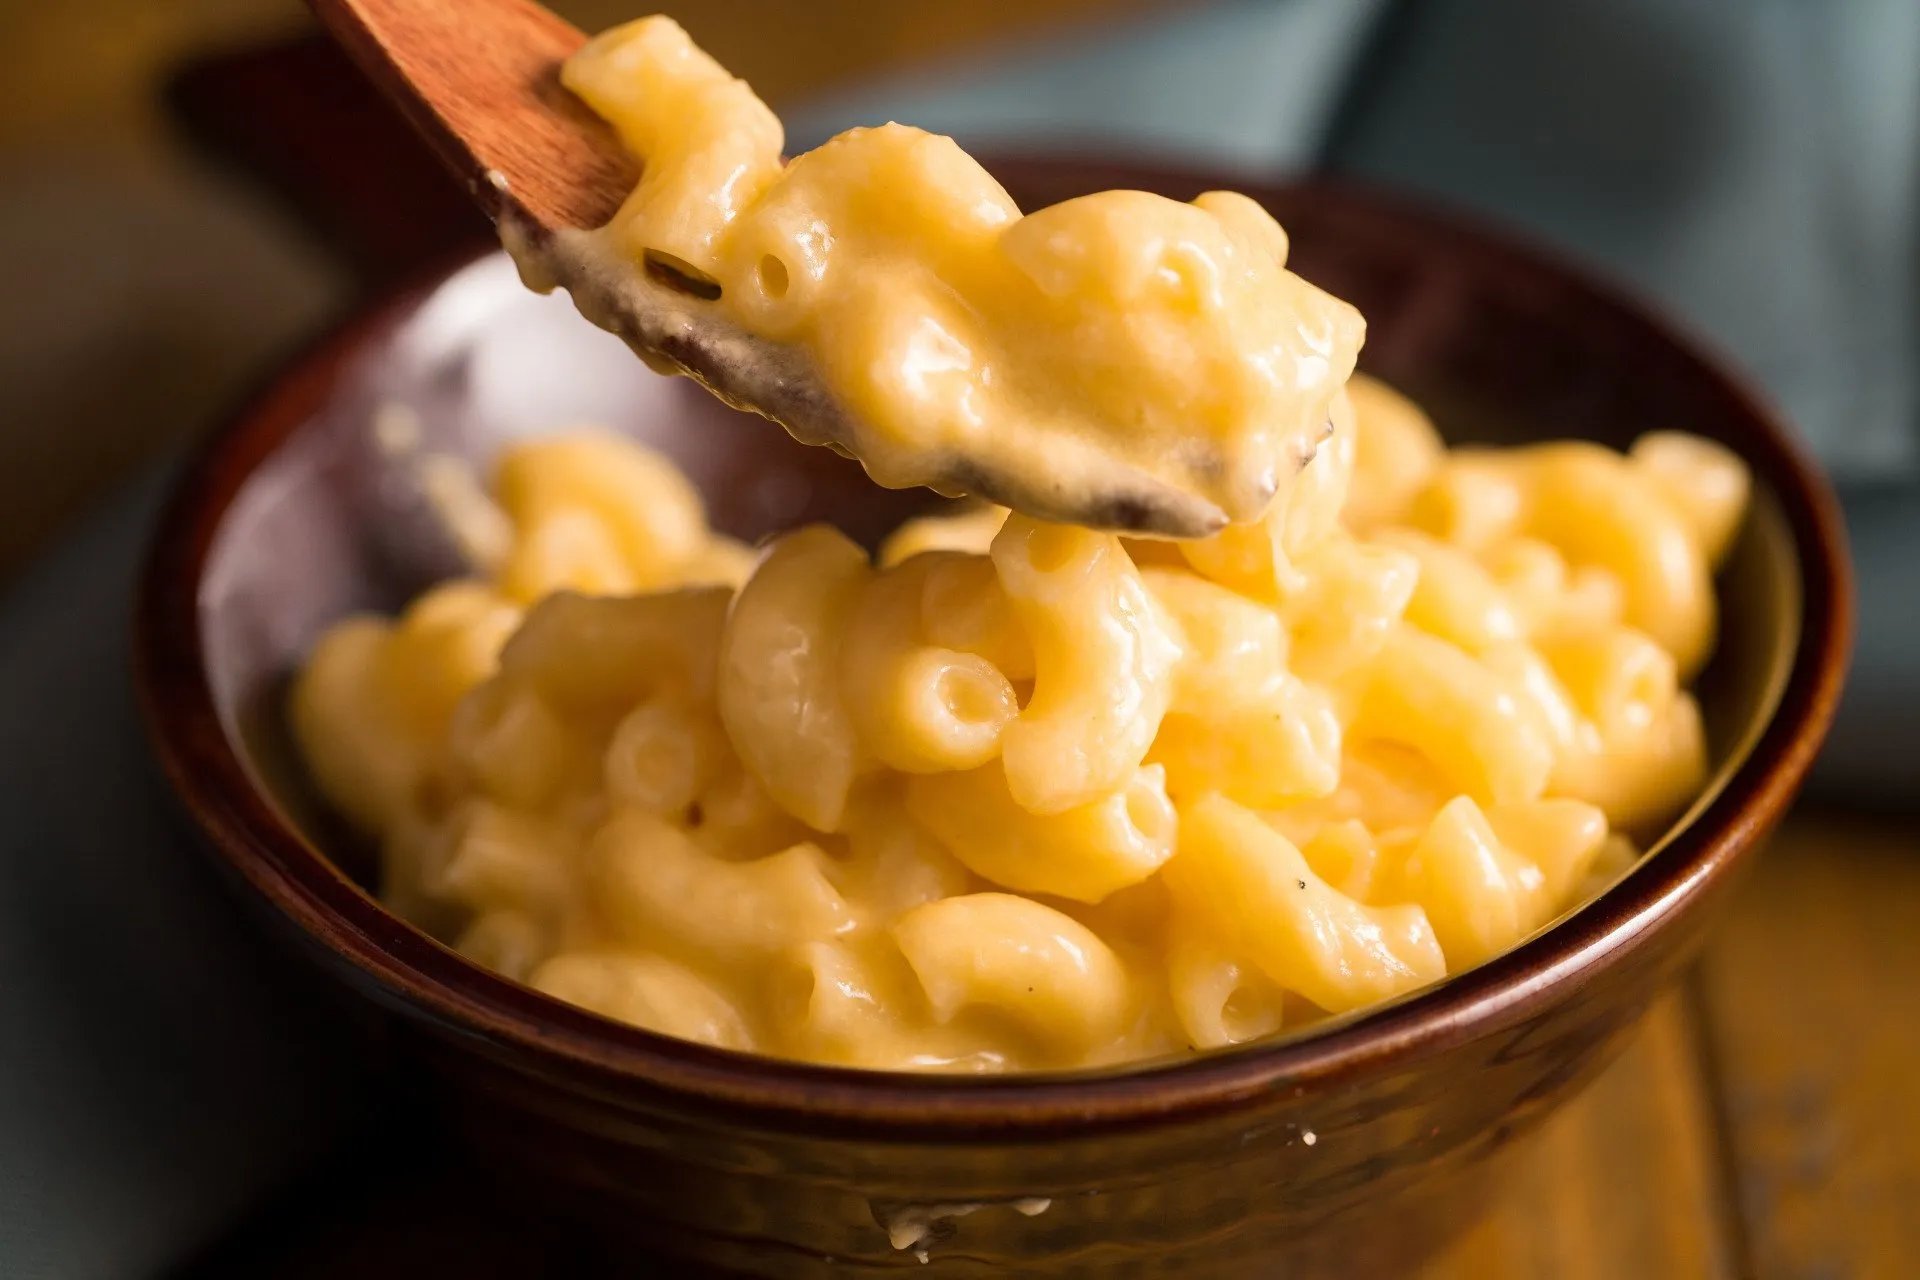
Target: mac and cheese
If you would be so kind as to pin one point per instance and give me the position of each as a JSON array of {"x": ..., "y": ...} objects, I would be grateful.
[
  {"x": 1068, "y": 353},
  {"x": 1013, "y": 795}
]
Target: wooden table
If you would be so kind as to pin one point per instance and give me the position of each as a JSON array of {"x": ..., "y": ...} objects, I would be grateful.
[{"x": 1766, "y": 1121}]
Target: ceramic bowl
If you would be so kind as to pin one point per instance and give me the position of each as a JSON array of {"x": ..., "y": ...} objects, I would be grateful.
[{"x": 1353, "y": 1148}]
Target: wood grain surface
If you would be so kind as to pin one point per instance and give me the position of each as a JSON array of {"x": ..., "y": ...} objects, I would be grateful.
[
  {"x": 1624, "y": 1182},
  {"x": 1811, "y": 999}
]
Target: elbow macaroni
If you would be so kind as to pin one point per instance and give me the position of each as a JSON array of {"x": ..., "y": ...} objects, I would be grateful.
[
  {"x": 1071, "y": 351},
  {"x": 1019, "y": 796},
  {"x": 1104, "y": 654}
]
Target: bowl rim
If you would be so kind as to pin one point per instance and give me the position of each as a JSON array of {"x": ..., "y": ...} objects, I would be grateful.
[{"x": 426, "y": 979}]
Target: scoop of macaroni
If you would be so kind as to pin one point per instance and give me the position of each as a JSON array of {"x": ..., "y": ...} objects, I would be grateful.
[
  {"x": 1016, "y": 796},
  {"x": 1064, "y": 352}
]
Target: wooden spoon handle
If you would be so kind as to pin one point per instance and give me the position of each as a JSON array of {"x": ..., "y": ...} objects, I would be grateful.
[{"x": 480, "y": 80}]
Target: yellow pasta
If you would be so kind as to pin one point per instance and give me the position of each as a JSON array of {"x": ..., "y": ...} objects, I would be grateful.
[
  {"x": 780, "y": 674},
  {"x": 1617, "y": 677},
  {"x": 1218, "y": 999},
  {"x": 859, "y": 1002},
  {"x": 1640, "y": 778},
  {"x": 712, "y": 146},
  {"x": 651, "y": 881},
  {"x": 1010, "y": 795},
  {"x": 812, "y": 809},
  {"x": 1346, "y": 855},
  {"x": 513, "y": 746},
  {"x": 1461, "y": 716},
  {"x": 486, "y": 857},
  {"x": 1022, "y": 960},
  {"x": 1018, "y": 795},
  {"x": 1104, "y": 659},
  {"x": 445, "y": 644},
  {"x": 734, "y": 817},
  {"x": 963, "y": 606},
  {"x": 1249, "y": 887},
  {"x": 840, "y": 1002},
  {"x": 1272, "y": 744},
  {"x": 1479, "y": 896},
  {"x": 663, "y": 754},
  {"x": 1084, "y": 853},
  {"x": 1232, "y": 644},
  {"x": 1078, "y": 347},
  {"x": 892, "y": 864},
  {"x": 1474, "y": 500},
  {"x": 1455, "y": 597},
  {"x": 604, "y": 516},
  {"x": 364, "y": 756},
  {"x": 1260, "y": 557},
  {"x": 1353, "y": 594},
  {"x": 1705, "y": 483},
  {"x": 917, "y": 706},
  {"x": 970, "y": 530},
  {"x": 648, "y": 991},
  {"x": 510, "y": 942},
  {"x": 597, "y": 657},
  {"x": 1595, "y": 507},
  {"x": 1395, "y": 453}
]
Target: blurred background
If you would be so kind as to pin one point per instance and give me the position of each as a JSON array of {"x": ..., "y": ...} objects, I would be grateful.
[
  {"x": 145, "y": 286},
  {"x": 166, "y": 236}
]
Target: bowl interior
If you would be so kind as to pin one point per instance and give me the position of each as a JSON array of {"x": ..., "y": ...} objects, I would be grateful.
[{"x": 1497, "y": 346}]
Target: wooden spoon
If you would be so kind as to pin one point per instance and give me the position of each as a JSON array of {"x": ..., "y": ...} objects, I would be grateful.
[{"x": 480, "y": 79}]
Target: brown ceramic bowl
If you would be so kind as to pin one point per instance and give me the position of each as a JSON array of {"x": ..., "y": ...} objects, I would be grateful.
[{"x": 1353, "y": 1148}]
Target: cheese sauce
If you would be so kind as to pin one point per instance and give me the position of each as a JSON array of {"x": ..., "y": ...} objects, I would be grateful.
[{"x": 1076, "y": 349}]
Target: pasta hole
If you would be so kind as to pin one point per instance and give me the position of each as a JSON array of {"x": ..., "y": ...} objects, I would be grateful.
[
  {"x": 649, "y": 764},
  {"x": 1051, "y": 548},
  {"x": 1646, "y": 684},
  {"x": 1249, "y": 1013},
  {"x": 680, "y": 275},
  {"x": 973, "y": 697},
  {"x": 1149, "y": 813},
  {"x": 774, "y": 280}
]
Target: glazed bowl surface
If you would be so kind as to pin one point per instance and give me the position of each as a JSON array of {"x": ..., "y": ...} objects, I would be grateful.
[{"x": 1352, "y": 1149}]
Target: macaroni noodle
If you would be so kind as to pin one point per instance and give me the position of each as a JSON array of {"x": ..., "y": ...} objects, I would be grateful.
[
  {"x": 1018, "y": 795},
  {"x": 1069, "y": 353},
  {"x": 1023, "y": 796}
]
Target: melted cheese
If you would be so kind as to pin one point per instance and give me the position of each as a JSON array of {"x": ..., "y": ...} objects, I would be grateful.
[{"x": 1118, "y": 335}]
